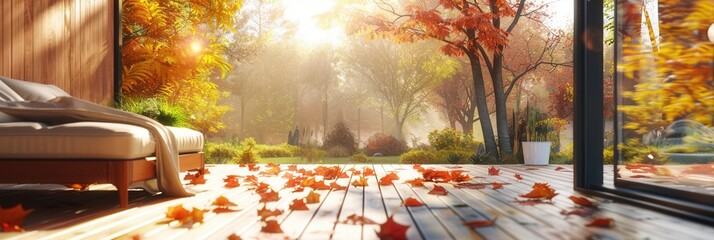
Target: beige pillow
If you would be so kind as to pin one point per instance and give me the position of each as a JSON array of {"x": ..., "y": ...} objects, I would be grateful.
[
  {"x": 8, "y": 95},
  {"x": 30, "y": 91}
]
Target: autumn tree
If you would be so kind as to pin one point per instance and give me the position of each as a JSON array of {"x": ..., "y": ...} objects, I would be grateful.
[
  {"x": 480, "y": 30},
  {"x": 172, "y": 49},
  {"x": 401, "y": 75},
  {"x": 454, "y": 98}
]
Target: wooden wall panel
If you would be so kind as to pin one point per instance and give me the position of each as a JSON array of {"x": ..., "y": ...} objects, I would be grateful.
[{"x": 68, "y": 43}]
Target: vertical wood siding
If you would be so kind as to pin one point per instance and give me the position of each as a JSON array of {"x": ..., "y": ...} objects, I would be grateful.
[{"x": 67, "y": 43}]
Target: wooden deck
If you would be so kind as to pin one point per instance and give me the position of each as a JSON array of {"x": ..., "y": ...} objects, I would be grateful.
[{"x": 60, "y": 213}]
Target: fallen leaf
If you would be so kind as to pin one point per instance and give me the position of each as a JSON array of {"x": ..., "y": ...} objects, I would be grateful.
[
  {"x": 271, "y": 226},
  {"x": 271, "y": 171},
  {"x": 335, "y": 186},
  {"x": 386, "y": 180},
  {"x": 229, "y": 177},
  {"x": 703, "y": 169},
  {"x": 252, "y": 179},
  {"x": 273, "y": 164},
  {"x": 242, "y": 165},
  {"x": 416, "y": 166},
  {"x": 640, "y": 176},
  {"x": 602, "y": 223},
  {"x": 253, "y": 167},
  {"x": 357, "y": 220},
  {"x": 392, "y": 175},
  {"x": 531, "y": 168},
  {"x": 412, "y": 202},
  {"x": 269, "y": 196},
  {"x": 581, "y": 201},
  {"x": 298, "y": 204},
  {"x": 223, "y": 202},
  {"x": 320, "y": 185},
  {"x": 562, "y": 169},
  {"x": 292, "y": 167},
  {"x": 198, "y": 179},
  {"x": 496, "y": 185},
  {"x": 357, "y": 172},
  {"x": 234, "y": 237},
  {"x": 328, "y": 173},
  {"x": 312, "y": 197},
  {"x": 13, "y": 217},
  {"x": 431, "y": 175},
  {"x": 578, "y": 211},
  {"x": 299, "y": 189},
  {"x": 290, "y": 183},
  {"x": 481, "y": 223},
  {"x": 493, "y": 171},
  {"x": 540, "y": 191},
  {"x": 368, "y": 172},
  {"x": 178, "y": 213},
  {"x": 459, "y": 176},
  {"x": 392, "y": 230},
  {"x": 472, "y": 185},
  {"x": 307, "y": 182},
  {"x": 531, "y": 202},
  {"x": 518, "y": 176},
  {"x": 262, "y": 187},
  {"x": 264, "y": 213},
  {"x": 197, "y": 215},
  {"x": 232, "y": 183},
  {"x": 361, "y": 182},
  {"x": 438, "y": 190},
  {"x": 79, "y": 186},
  {"x": 343, "y": 175},
  {"x": 417, "y": 182},
  {"x": 190, "y": 176}
]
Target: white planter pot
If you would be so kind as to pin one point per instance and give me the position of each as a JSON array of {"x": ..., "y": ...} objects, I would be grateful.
[{"x": 536, "y": 153}]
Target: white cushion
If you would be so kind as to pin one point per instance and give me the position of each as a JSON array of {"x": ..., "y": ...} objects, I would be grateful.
[
  {"x": 34, "y": 91},
  {"x": 86, "y": 140},
  {"x": 7, "y": 95}
]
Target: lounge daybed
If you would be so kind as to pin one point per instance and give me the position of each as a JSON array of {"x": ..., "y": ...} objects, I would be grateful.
[{"x": 87, "y": 152}]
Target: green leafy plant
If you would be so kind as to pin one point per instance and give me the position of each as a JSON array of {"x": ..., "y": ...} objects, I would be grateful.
[
  {"x": 157, "y": 109},
  {"x": 282, "y": 150},
  {"x": 359, "y": 157},
  {"x": 249, "y": 154},
  {"x": 341, "y": 139},
  {"x": 419, "y": 157},
  {"x": 451, "y": 139}
]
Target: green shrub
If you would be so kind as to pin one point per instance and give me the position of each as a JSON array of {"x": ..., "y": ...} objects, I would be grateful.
[
  {"x": 339, "y": 151},
  {"x": 221, "y": 150},
  {"x": 386, "y": 145},
  {"x": 359, "y": 157},
  {"x": 453, "y": 156},
  {"x": 249, "y": 154},
  {"x": 482, "y": 158},
  {"x": 633, "y": 151},
  {"x": 312, "y": 153},
  {"x": 450, "y": 139},
  {"x": 282, "y": 150},
  {"x": 565, "y": 156},
  {"x": 341, "y": 139},
  {"x": 608, "y": 156},
  {"x": 418, "y": 157},
  {"x": 159, "y": 110}
]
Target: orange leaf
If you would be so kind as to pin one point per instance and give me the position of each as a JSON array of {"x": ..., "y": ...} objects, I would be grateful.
[
  {"x": 496, "y": 185},
  {"x": 481, "y": 223},
  {"x": 320, "y": 185},
  {"x": 262, "y": 187},
  {"x": 540, "y": 191},
  {"x": 308, "y": 182},
  {"x": 312, "y": 197},
  {"x": 229, "y": 177},
  {"x": 234, "y": 237},
  {"x": 703, "y": 169},
  {"x": 292, "y": 167},
  {"x": 459, "y": 176},
  {"x": 416, "y": 166},
  {"x": 291, "y": 183},
  {"x": 358, "y": 220},
  {"x": 269, "y": 196},
  {"x": 264, "y": 213},
  {"x": 190, "y": 176},
  {"x": 432, "y": 175},
  {"x": 178, "y": 213},
  {"x": 392, "y": 176},
  {"x": 252, "y": 179},
  {"x": 223, "y": 202},
  {"x": 14, "y": 216},
  {"x": 368, "y": 172},
  {"x": 602, "y": 223},
  {"x": 288, "y": 175},
  {"x": 518, "y": 176},
  {"x": 79, "y": 186},
  {"x": 412, "y": 202},
  {"x": 361, "y": 182},
  {"x": 581, "y": 201},
  {"x": 386, "y": 180},
  {"x": 392, "y": 230},
  {"x": 232, "y": 183},
  {"x": 197, "y": 215},
  {"x": 335, "y": 186},
  {"x": 417, "y": 182},
  {"x": 559, "y": 169},
  {"x": 438, "y": 190},
  {"x": 271, "y": 226},
  {"x": 493, "y": 171},
  {"x": 253, "y": 167},
  {"x": 198, "y": 179},
  {"x": 298, "y": 204},
  {"x": 343, "y": 175},
  {"x": 10, "y": 228},
  {"x": 299, "y": 189}
]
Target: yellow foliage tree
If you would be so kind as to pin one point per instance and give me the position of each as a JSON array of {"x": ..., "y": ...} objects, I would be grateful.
[
  {"x": 673, "y": 72},
  {"x": 173, "y": 49}
]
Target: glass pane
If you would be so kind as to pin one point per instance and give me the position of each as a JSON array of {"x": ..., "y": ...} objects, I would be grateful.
[{"x": 665, "y": 94}]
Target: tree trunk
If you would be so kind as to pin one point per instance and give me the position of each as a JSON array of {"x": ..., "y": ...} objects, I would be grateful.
[
  {"x": 242, "y": 119},
  {"x": 359, "y": 126},
  {"x": 398, "y": 128},
  {"x": 381, "y": 115},
  {"x": 482, "y": 106},
  {"x": 452, "y": 123},
  {"x": 504, "y": 139},
  {"x": 324, "y": 120},
  {"x": 467, "y": 126}
]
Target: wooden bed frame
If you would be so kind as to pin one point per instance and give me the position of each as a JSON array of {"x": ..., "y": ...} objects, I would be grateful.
[{"x": 119, "y": 172}]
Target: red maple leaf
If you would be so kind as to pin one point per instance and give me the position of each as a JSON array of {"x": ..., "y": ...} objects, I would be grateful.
[
  {"x": 292, "y": 167},
  {"x": 416, "y": 166},
  {"x": 290, "y": 183},
  {"x": 493, "y": 171},
  {"x": 392, "y": 176},
  {"x": 198, "y": 179},
  {"x": 412, "y": 202},
  {"x": 392, "y": 230},
  {"x": 518, "y": 176},
  {"x": 417, "y": 182},
  {"x": 578, "y": 211},
  {"x": 459, "y": 176},
  {"x": 269, "y": 196},
  {"x": 481, "y": 223},
  {"x": 368, "y": 172},
  {"x": 12, "y": 218},
  {"x": 540, "y": 191},
  {"x": 223, "y": 202},
  {"x": 357, "y": 220},
  {"x": 320, "y": 185},
  {"x": 496, "y": 185},
  {"x": 581, "y": 201},
  {"x": 361, "y": 182},
  {"x": 438, "y": 190},
  {"x": 253, "y": 167},
  {"x": 271, "y": 226},
  {"x": 432, "y": 175},
  {"x": 312, "y": 197},
  {"x": 264, "y": 213},
  {"x": 335, "y": 186},
  {"x": 252, "y": 179},
  {"x": 298, "y": 204},
  {"x": 602, "y": 223},
  {"x": 386, "y": 180},
  {"x": 232, "y": 183},
  {"x": 343, "y": 175}
]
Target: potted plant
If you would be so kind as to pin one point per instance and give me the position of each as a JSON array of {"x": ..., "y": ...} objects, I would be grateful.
[{"x": 536, "y": 147}]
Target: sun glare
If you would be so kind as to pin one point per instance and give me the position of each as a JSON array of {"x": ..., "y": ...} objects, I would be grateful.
[
  {"x": 196, "y": 47},
  {"x": 304, "y": 14}
]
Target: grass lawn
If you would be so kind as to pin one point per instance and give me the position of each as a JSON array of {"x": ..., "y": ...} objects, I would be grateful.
[{"x": 327, "y": 160}]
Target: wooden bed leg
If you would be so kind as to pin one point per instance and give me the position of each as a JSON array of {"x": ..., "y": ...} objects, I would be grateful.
[
  {"x": 121, "y": 181},
  {"x": 203, "y": 163}
]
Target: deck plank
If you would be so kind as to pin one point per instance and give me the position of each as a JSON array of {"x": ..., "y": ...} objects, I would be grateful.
[{"x": 68, "y": 214}]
